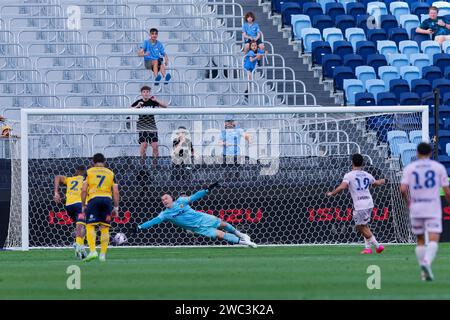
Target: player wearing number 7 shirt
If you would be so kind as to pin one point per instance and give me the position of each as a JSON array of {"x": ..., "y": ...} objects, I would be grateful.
[
  {"x": 358, "y": 182},
  {"x": 100, "y": 189},
  {"x": 422, "y": 179}
]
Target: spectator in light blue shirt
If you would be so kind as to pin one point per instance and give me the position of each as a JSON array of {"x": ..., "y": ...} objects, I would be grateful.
[
  {"x": 154, "y": 54},
  {"x": 231, "y": 140},
  {"x": 251, "y": 32}
]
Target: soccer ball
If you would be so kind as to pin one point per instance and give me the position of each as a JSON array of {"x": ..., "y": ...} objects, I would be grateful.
[{"x": 119, "y": 239}]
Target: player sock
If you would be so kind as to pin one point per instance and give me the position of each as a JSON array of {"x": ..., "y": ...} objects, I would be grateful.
[
  {"x": 231, "y": 238},
  {"x": 91, "y": 236},
  {"x": 80, "y": 241},
  {"x": 367, "y": 243},
  {"x": 430, "y": 253},
  {"x": 104, "y": 239},
  {"x": 374, "y": 241},
  {"x": 420, "y": 253},
  {"x": 229, "y": 228}
]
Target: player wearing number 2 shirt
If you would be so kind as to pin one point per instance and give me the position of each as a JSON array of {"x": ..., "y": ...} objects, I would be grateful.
[
  {"x": 358, "y": 182},
  {"x": 100, "y": 189},
  {"x": 420, "y": 187}
]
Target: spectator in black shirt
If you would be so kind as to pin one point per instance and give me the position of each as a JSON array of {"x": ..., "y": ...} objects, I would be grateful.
[
  {"x": 146, "y": 125},
  {"x": 182, "y": 154}
]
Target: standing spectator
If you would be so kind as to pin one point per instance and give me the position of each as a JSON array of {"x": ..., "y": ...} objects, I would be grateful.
[
  {"x": 154, "y": 54},
  {"x": 434, "y": 26},
  {"x": 182, "y": 154},
  {"x": 253, "y": 56},
  {"x": 251, "y": 32},
  {"x": 231, "y": 139},
  {"x": 146, "y": 125}
]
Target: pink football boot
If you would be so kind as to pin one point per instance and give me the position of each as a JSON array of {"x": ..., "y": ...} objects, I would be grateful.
[
  {"x": 380, "y": 249},
  {"x": 366, "y": 251}
]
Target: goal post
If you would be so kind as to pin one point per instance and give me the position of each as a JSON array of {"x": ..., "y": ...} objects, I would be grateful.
[{"x": 305, "y": 138}]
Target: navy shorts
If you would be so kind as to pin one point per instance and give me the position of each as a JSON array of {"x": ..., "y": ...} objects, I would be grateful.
[
  {"x": 99, "y": 210},
  {"x": 73, "y": 212},
  {"x": 258, "y": 42}
]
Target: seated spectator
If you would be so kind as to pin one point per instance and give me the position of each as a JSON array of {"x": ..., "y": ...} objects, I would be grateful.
[
  {"x": 253, "y": 56},
  {"x": 154, "y": 54},
  {"x": 251, "y": 32},
  {"x": 438, "y": 28}
]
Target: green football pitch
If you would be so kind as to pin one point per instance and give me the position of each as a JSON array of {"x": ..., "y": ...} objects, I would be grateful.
[{"x": 308, "y": 272}]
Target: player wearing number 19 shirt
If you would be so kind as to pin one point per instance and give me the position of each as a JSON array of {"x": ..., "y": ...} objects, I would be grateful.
[
  {"x": 100, "y": 189},
  {"x": 358, "y": 182},
  {"x": 422, "y": 179}
]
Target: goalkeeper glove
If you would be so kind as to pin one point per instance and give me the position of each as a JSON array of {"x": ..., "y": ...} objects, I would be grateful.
[{"x": 212, "y": 186}]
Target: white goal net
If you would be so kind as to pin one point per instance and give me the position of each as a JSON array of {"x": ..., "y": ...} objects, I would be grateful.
[{"x": 280, "y": 163}]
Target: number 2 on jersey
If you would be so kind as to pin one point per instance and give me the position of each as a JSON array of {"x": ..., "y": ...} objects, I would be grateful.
[
  {"x": 74, "y": 185},
  {"x": 430, "y": 180},
  {"x": 102, "y": 179}
]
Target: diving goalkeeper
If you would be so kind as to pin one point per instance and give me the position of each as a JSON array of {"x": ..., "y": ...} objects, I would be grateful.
[{"x": 182, "y": 215}]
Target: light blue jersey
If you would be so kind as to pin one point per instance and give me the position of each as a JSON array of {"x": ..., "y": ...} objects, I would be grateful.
[
  {"x": 182, "y": 215},
  {"x": 156, "y": 50},
  {"x": 251, "y": 30}
]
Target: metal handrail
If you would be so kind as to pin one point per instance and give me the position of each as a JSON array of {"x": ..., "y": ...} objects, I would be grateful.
[{"x": 72, "y": 59}]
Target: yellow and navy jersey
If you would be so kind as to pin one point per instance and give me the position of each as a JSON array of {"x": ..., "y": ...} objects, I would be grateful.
[
  {"x": 100, "y": 181},
  {"x": 73, "y": 190}
]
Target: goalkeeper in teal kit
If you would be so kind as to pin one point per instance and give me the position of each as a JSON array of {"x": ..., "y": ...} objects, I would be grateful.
[{"x": 182, "y": 215}]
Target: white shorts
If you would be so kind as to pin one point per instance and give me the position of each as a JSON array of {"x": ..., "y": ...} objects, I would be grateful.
[
  {"x": 362, "y": 217},
  {"x": 420, "y": 225}
]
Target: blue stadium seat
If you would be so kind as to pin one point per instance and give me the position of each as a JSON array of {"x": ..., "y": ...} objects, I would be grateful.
[
  {"x": 442, "y": 84},
  {"x": 355, "y": 9},
  {"x": 309, "y": 35},
  {"x": 388, "y": 21},
  {"x": 364, "y": 99},
  {"x": 376, "y": 9},
  {"x": 398, "y": 34},
  {"x": 353, "y": 61},
  {"x": 276, "y": 5},
  {"x": 420, "y": 60},
  {"x": 398, "y": 86},
  {"x": 395, "y": 138},
  {"x": 329, "y": 62},
  {"x": 351, "y": 88},
  {"x": 444, "y": 138},
  {"x": 319, "y": 50},
  {"x": 408, "y": 47},
  {"x": 444, "y": 7},
  {"x": 419, "y": 8},
  {"x": 420, "y": 86},
  {"x": 428, "y": 98},
  {"x": 365, "y": 73},
  {"x": 446, "y": 100},
  {"x": 375, "y": 86},
  {"x": 415, "y": 136},
  {"x": 441, "y": 60},
  {"x": 332, "y": 35},
  {"x": 345, "y": 21},
  {"x": 322, "y": 22},
  {"x": 323, "y": 3},
  {"x": 342, "y": 48},
  {"x": 399, "y": 8},
  {"x": 447, "y": 72},
  {"x": 419, "y": 38},
  {"x": 410, "y": 73},
  {"x": 409, "y": 99},
  {"x": 376, "y": 35},
  {"x": 365, "y": 48},
  {"x": 387, "y": 47},
  {"x": 353, "y": 35},
  {"x": 288, "y": 9},
  {"x": 430, "y": 48},
  {"x": 446, "y": 46},
  {"x": 334, "y": 9},
  {"x": 409, "y": 22},
  {"x": 312, "y": 9},
  {"x": 361, "y": 21},
  {"x": 398, "y": 60},
  {"x": 387, "y": 99},
  {"x": 299, "y": 22},
  {"x": 388, "y": 73},
  {"x": 447, "y": 149},
  {"x": 408, "y": 153},
  {"x": 376, "y": 61},
  {"x": 431, "y": 73},
  {"x": 341, "y": 73}
]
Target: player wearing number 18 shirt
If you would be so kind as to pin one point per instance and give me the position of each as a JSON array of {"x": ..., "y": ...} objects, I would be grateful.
[
  {"x": 358, "y": 182},
  {"x": 100, "y": 189},
  {"x": 420, "y": 187}
]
